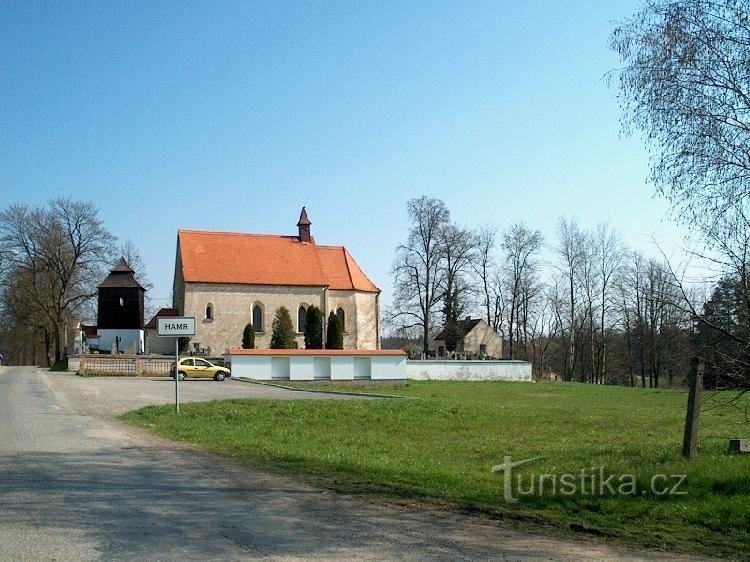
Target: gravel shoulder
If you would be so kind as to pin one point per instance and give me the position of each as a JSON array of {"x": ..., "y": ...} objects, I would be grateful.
[{"x": 109, "y": 397}]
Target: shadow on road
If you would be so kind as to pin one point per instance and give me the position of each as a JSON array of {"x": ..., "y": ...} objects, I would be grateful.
[{"x": 128, "y": 505}]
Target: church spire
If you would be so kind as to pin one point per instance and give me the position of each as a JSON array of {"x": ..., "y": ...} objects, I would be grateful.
[{"x": 304, "y": 227}]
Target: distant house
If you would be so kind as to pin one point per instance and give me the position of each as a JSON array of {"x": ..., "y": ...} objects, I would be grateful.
[
  {"x": 480, "y": 340},
  {"x": 154, "y": 343}
]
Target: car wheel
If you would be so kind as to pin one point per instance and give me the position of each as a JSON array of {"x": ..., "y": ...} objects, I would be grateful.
[
  {"x": 181, "y": 376},
  {"x": 219, "y": 376}
]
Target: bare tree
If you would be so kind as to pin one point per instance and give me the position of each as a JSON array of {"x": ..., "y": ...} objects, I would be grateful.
[
  {"x": 458, "y": 248},
  {"x": 485, "y": 271},
  {"x": 419, "y": 269},
  {"x": 130, "y": 253},
  {"x": 520, "y": 245},
  {"x": 570, "y": 254},
  {"x": 588, "y": 282},
  {"x": 610, "y": 253},
  {"x": 60, "y": 251}
]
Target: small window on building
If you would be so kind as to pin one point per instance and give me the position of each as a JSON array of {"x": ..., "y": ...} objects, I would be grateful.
[
  {"x": 342, "y": 318},
  {"x": 257, "y": 316},
  {"x": 209, "y": 312},
  {"x": 301, "y": 319},
  {"x": 482, "y": 349}
]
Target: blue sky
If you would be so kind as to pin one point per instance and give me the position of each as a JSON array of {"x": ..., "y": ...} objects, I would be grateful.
[{"x": 231, "y": 116}]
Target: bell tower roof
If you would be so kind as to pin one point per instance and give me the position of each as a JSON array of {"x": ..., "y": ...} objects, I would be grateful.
[
  {"x": 303, "y": 220},
  {"x": 121, "y": 276},
  {"x": 304, "y": 227},
  {"x": 122, "y": 267}
]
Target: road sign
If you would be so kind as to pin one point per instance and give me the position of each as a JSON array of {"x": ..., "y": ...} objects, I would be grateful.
[{"x": 175, "y": 326}]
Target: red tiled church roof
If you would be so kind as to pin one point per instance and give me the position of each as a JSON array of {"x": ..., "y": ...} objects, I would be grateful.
[{"x": 262, "y": 259}]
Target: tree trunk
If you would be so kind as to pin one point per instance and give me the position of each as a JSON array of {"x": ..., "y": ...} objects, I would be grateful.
[
  {"x": 571, "y": 353},
  {"x": 58, "y": 347},
  {"x": 47, "y": 347}
]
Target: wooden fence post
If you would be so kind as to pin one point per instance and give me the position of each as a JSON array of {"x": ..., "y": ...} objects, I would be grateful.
[{"x": 693, "y": 414}]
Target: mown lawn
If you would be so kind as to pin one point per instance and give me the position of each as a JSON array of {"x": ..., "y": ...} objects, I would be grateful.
[{"x": 441, "y": 444}]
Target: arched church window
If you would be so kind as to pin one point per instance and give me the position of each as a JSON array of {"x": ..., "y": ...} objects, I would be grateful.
[
  {"x": 342, "y": 318},
  {"x": 257, "y": 316},
  {"x": 209, "y": 312},
  {"x": 301, "y": 319}
]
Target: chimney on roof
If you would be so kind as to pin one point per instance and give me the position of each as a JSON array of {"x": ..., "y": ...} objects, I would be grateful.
[{"x": 304, "y": 227}]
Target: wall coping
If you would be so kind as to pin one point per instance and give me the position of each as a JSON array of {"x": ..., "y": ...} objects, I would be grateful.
[
  {"x": 317, "y": 352},
  {"x": 462, "y": 361}
]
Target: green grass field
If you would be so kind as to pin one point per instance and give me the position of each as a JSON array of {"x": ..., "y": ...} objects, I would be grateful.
[{"x": 441, "y": 444}]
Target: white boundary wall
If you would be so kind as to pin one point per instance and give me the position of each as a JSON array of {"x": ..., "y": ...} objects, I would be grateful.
[
  {"x": 437, "y": 370},
  {"x": 308, "y": 365}
]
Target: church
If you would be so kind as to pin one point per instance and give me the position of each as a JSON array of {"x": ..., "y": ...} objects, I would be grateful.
[{"x": 229, "y": 279}]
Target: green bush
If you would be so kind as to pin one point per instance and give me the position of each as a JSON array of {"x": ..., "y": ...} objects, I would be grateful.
[
  {"x": 248, "y": 337},
  {"x": 334, "y": 333},
  {"x": 314, "y": 328},
  {"x": 283, "y": 336},
  {"x": 61, "y": 365}
]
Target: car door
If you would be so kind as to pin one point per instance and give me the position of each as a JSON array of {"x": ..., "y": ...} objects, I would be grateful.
[
  {"x": 187, "y": 366},
  {"x": 203, "y": 368}
]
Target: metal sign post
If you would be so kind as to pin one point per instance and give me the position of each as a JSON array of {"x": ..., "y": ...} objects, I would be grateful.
[
  {"x": 176, "y": 327},
  {"x": 176, "y": 376}
]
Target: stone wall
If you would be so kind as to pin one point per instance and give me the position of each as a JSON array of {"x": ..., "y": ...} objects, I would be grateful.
[
  {"x": 360, "y": 317},
  {"x": 449, "y": 370},
  {"x": 368, "y": 315},
  {"x": 232, "y": 308}
]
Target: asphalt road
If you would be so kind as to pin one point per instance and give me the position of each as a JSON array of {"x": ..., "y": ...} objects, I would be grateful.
[{"x": 77, "y": 485}]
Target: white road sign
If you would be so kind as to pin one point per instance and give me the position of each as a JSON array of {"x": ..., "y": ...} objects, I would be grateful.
[{"x": 175, "y": 326}]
